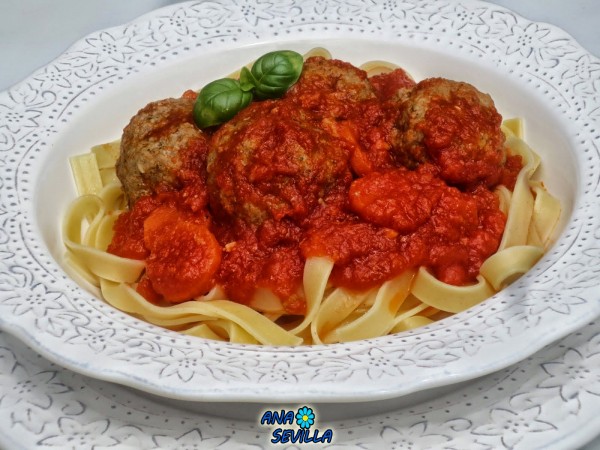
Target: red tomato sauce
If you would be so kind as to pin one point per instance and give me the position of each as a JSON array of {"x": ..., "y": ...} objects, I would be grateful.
[
  {"x": 389, "y": 85},
  {"x": 374, "y": 219}
]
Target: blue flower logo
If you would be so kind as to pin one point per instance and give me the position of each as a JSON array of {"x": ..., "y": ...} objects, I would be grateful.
[{"x": 305, "y": 417}]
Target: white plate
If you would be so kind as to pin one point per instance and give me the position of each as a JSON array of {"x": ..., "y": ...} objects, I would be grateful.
[
  {"x": 549, "y": 401},
  {"x": 86, "y": 96}
]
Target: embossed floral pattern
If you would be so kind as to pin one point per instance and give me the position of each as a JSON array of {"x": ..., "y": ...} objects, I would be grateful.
[
  {"x": 377, "y": 362},
  {"x": 16, "y": 114},
  {"x": 38, "y": 302},
  {"x": 192, "y": 439},
  {"x": 520, "y": 407},
  {"x": 30, "y": 395},
  {"x": 75, "y": 434},
  {"x": 279, "y": 372},
  {"x": 411, "y": 438},
  {"x": 578, "y": 369},
  {"x": 110, "y": 47},
  {"x": 389, "y": 9},
  {"x": 462, "y": 17},
  {"x": 540, "y": 301},
  {"x": 95, "y": 339},
  {"x": 509, "y": 428},
  {"x": 48, "y": 311},
  {"x": 181, "y": 364}
]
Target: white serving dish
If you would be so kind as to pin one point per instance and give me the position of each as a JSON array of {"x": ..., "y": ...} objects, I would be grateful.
[{"x": 87, "y": 95}]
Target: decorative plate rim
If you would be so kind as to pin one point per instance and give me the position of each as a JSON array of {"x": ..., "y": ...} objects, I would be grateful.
[
  {"x": 533, "y": 404},
  {"x": 44, "y": 308}
]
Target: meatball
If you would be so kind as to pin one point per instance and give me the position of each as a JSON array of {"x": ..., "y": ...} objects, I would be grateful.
[
  {"x": 454, "y": 125},
  {"x": 273, "y": 160},
  {"x": 393, "y": 86},
  {"x": 157, "y": 145},
  {"x": 331, "y": 87},
  {"x": 347, "y": 102}
]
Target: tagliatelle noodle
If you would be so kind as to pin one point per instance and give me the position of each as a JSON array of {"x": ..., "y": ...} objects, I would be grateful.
[
  {"x": 80, "y": 269},
  {"x": 377, "y": 67},
  {"x": 336, "y": 307},
  {"x": 180, "y": 323},
  {"x": 412, "y": 299},
  {"x": 203, "y": 331},
  {"x": 531, "y": 204},
  {"x": 379, "y": 319},
  {"x": 254, "y": 323},
  {"x": 224, "y": 330},
  {"x": 318, "y": 51},
  {"x": 513, "y": 127},
  {"x": 316, "y": 274},
  {"x": 107, "y": 154},
  {"x": 546, "y": 212},
  {"x": 532, "y": 216},
  {"x": 412, "y": 322},
  {"x": 503, "y": 267},
  {"x": 86, "y": 174},
  {"x": 99, "y": 262},
  {"x": 409, "y": 305},
  {"x": 448, "y": 297},
  {"x": 522, "y": 200},
  {"x": 504, "y": 196},
  {"x": 266, "y": 301}
]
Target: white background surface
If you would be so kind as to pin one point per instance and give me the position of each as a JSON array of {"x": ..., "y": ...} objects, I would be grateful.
[{"x": 34, "y": 32}]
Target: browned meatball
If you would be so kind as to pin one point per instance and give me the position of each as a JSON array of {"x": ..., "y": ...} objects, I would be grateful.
[
  {"x": 158, "y": 143},
  {"x": 454, "y": 125},
  {"x": 331, "y": 87},
  {"x": 393, "y": 86},
  {"x": 272, "y": 161}
]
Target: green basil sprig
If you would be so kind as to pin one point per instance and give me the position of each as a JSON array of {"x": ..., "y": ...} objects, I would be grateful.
[{"x": 270, "y": 77}]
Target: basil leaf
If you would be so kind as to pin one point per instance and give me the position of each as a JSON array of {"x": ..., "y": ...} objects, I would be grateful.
[
  {"x": 219, "y": 101},
  {"x": 275, "y": 72},
  {"x": 247, "y": 80},
  {"x": 270, "y": 77}
]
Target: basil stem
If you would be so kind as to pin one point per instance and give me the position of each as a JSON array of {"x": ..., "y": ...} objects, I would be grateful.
[{"x": 247, "y": 80}]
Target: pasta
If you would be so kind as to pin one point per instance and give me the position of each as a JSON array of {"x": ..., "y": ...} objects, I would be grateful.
[{"x": 333, "y": 314}]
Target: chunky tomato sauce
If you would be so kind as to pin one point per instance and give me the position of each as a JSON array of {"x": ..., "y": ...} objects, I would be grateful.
[{"x": 354, "y": 204}]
